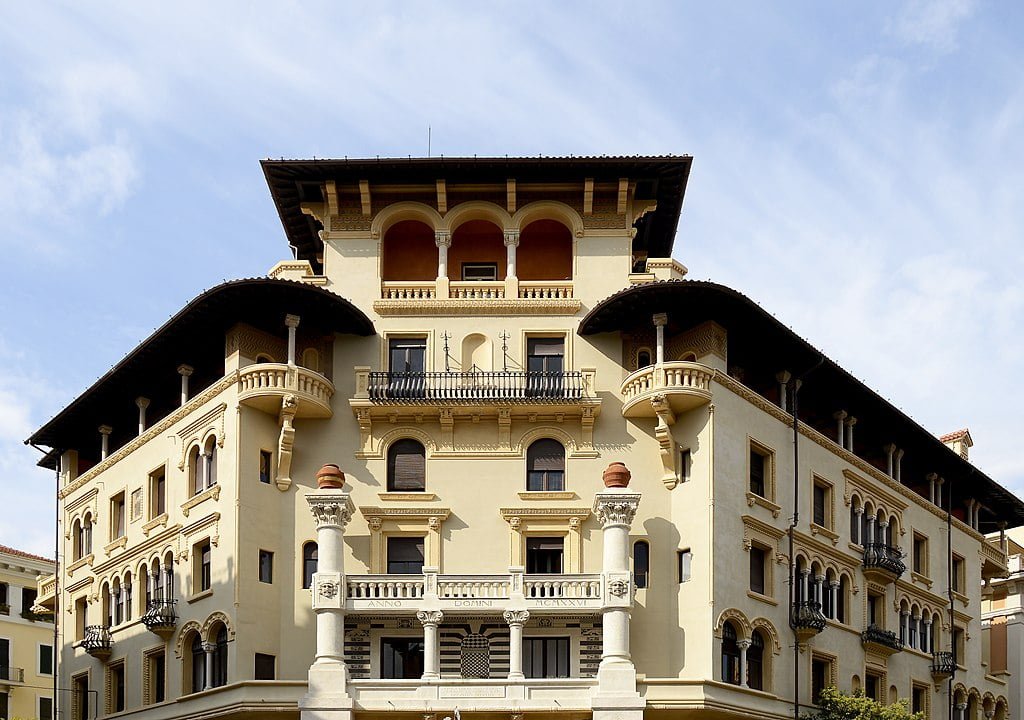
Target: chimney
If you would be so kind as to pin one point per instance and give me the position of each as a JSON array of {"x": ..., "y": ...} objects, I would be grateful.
[{"x": 959, "y": 442}]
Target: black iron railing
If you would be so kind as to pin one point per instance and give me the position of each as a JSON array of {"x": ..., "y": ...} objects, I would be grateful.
[
  {"x": 807, "y": 615},
  {"x": 11, "y": 674},
  {"x": 884, "y": 557},
  {"x": 878, "y": 636},
  {"x": 943, "y": 663},
  {"x": 160, "y": 614},
  {"x": 97, "y": 640},
  {"x": 484, "y": 386}
]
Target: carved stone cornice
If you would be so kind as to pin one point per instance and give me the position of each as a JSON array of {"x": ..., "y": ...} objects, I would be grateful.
[
  {"x": 616, "y": 508},
  {"x": 331, "y": 508},
  {"x": 155, "y": 431}
]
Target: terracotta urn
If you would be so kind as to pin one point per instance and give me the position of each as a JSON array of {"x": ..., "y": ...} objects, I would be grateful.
[
  {"x": 330, "y": 477},
  {"x": 616, "y": 475}
]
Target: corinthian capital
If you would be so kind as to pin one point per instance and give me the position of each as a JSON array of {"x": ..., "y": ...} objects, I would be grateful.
[
  {"x": 616, "y": 508},
  {"x": 430, "y": 617},
  {"x": 516, "y": 617},
  {"x": 330, "y": 509}
]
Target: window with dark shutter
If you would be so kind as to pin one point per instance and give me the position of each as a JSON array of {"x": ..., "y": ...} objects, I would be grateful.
[
  {"x": 819, "y": 505},
  {"x": 405, "y": 555},
  {"x": 407, "y": 466},
  {"x": 757, "y": 473},
  {"x": 545, "y": 466},
  {"x": 757, "y": 569}
]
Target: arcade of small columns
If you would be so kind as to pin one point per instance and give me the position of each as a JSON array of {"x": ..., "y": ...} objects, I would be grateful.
[{"x": 332, "y": 508}]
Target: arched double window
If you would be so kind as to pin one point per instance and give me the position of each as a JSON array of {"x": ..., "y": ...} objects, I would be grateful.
[
  {"x": 407, "y": 466},
  {"x": 202, "y": 466},
  {"x": 545, "y": 466},
  {"x": 197, "y": 670},
  {"x": 755, "y": 661},
  {"x": 310, "y": 553},
  {"x": 219, "y": 657}
]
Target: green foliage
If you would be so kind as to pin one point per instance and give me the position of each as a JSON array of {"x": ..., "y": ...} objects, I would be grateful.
[{"x": 834, "y": 705}]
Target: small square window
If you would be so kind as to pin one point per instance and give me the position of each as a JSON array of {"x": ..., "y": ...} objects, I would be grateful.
[
  {"x": 264, "y": 667},
  {"x": 405, "y": 555},
  {"x": 266, "y": 462},
  {"x": 401, "y": 658},
  {"x": 266, "y": 566},
  {"x": 546, "y": 657},
  {"x": 544, "y": 554},
  {"x": 479, "y": 271}
]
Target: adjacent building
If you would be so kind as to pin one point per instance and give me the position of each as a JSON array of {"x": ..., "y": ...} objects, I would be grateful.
[
  {"x": 476, "y": 342},
  {"x": 26, "y": 638}
]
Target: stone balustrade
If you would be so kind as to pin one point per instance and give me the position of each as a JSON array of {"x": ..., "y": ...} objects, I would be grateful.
[
  {"x": 262, "y": 385},
  {"x": 683, "y": 385}
]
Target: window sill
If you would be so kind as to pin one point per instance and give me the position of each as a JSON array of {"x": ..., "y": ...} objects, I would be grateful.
[
  {"x": 961, "y": 597},
  {"x": 80, "y": 563},
  {"x": 762, "y": 598},
  {"x": 923, "y": 579},
  {"x": 817, "y": 529},
  {"x": 199, "y": 596},
  {"x": 158, "y": 521},
  {"x": 547, "y": 495},
  {"x": 755, "y": 499},
  {"x": 116, "y": 544},
  {"x": 407, "y": 496},
  {"x": 213, "y": 492}
]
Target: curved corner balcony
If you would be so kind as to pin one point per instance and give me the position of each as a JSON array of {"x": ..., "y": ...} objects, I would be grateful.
[
  {"x": 879, "y": 641},
  {"x": 161, "y": 617},
  {"x": 680, "y": 384},
  {"x": 807, "y": 619},
  {"x": 264, "y": 385},
  {"x": 98, "y": 641},
  {"x": 883, "y": 563}
]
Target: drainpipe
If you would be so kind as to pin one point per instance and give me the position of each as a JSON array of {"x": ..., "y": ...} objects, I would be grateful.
[{"x": 794, "y": 398}]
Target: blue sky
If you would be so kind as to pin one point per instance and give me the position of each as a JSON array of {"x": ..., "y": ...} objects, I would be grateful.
[{"x": 856, "y": 169}]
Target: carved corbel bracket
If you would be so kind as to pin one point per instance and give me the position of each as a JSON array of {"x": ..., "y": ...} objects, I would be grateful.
[{"x": 289, "y": 406}]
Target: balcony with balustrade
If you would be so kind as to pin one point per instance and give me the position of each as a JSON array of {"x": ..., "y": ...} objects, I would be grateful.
[
  {"x": 11, "y": 676},
  {"x": 264, "y": 386},
  {"x": 98, "y": 641},
  {"x": 161, "y": 617},
  {"x": 883, "y": 563},
  {"x": 46, "y": 593},
  {"x": 880, "y": 641},
  {"x": 806, "y": 619},
  {"x": 673, "y": 387}
]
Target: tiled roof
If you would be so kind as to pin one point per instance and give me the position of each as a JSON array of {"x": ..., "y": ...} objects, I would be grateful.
[
  {"x": 955, "y": 435},
  {"x": 4, "y": 550}
]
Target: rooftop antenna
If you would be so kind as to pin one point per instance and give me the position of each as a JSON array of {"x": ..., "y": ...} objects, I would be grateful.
[
  {"x": 446, "y": 337},
  {"x": 504, "y": 350}
]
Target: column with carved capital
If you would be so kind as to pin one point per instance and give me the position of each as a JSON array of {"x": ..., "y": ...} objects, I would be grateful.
[
  {"x": 614, "y": 508},
  {"x": 443, "y": 240},
  {"x": 515, "y": 619},
  {"x": 327, "y": 698},
  {"x": 511, "y": 274},
  {"x": 431, "y": 651}
]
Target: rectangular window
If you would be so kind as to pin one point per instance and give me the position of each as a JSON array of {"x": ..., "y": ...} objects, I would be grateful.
[
  {"x": 546, "y": 657},
  {"x": 28, "y": 599},
  {"x": 920, "y": 554},
  {"x": 757, "y": 573},
  {"x": 80, "y": 707},
  {"x": 401, "y": 658},
  {"x": 4, "y": 706},
  {"x": 46, "y": 659},
  {"x": 5, "y": 608},
  {"x": 201, "y": 557},
  {"x": 957, "y": 578},
  {"x": 156, "y": 691},
  {"x": 405, "y": 555},
  {"x": 157, "y": 492},
  {"x": 821, "y": 676},
  {"x": 266, "y": 460},
  {"x": 264, "y": 667},
  {"x": 760, "y": 471},
  {"x": 479, "y": 271},
  {"x": 683, "y": 558},
  {"x": 821, "y": 497},
  {"x": 45, "y": 708},
  {"x": 919, "y": 699},
  {"x": 685, "y": 463},
  {"x": 407, "y": 355},
  {"x": 958, "y": 646},
  {"x": 873, "y": 685},
  {"x": 80, "y": 620},
  {"x": 117, "y": 518},
  {"x": 876, "y": 610},
  {"x": 544, "y": 554},
  {"x": 266, "y": 566},
  {"x": 115, "y": 702},
  {"x": 545, "y": 362}
]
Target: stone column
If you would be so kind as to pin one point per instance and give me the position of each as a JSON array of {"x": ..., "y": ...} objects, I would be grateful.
[
  {"x": 783, "y": 377},
  {"x": 292, "y": 322},
  {"x": 899, "y": 461},
  {"x": 186, "y": 372},
  {"x": 142, "y": 403},
  {"x": 850, "y": 422},
  {"x": 743, "y": 645},
  {"x": 431, "y": 650},
  {"x": 443, "y": 241},
  {"x": 856, "y": 532},
  {"x": 939, "y": 482},
  {"x": 819, "y": 589},
  {"x": 208, "y": 648},
  {"x": 926, "y": 635},
  {"x": 660, "y": 321},
  {"x": 105, "y": 431},
  {"x": 904, "y": 621},
  {"x": 332, "y": 508},
  {"x": 890, "y": 452},
  {"x": 961, "y": 711},
  {"x": 515, "y": 619},
  {"x": 833, "y": 590},
  {"x": 805, "y": 585},
  {"x": 511, "y": 243},
  {"x": 840, "y": 418},
  {"x": 614, "y": 507}
]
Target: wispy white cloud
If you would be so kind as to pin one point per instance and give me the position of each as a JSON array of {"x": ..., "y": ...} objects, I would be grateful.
[{"x": 932, "y": 23}]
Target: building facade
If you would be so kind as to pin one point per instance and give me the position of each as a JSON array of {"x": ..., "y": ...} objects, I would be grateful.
[
  {"x": 475, "y": 342},
  {"x": 26, "y": 638}
]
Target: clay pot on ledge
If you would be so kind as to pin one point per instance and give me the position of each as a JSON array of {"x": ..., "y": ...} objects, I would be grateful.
[
  {"x": 616, "y": 475},
  {"x": 330, "y": 477}
]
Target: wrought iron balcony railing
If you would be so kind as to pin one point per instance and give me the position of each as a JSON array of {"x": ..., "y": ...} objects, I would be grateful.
[
  {"x": 160, "y": 615},
  {"x": 807, "y": 615},
  {"x": 97, "y": 641},
  {"x": 483, "y": 386},
  {"x": 877, "y": 636},
  {"x": 879, "y": 556},
  {"x": 943, "y": 664},
  {"x": 11, "y": 674}
]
